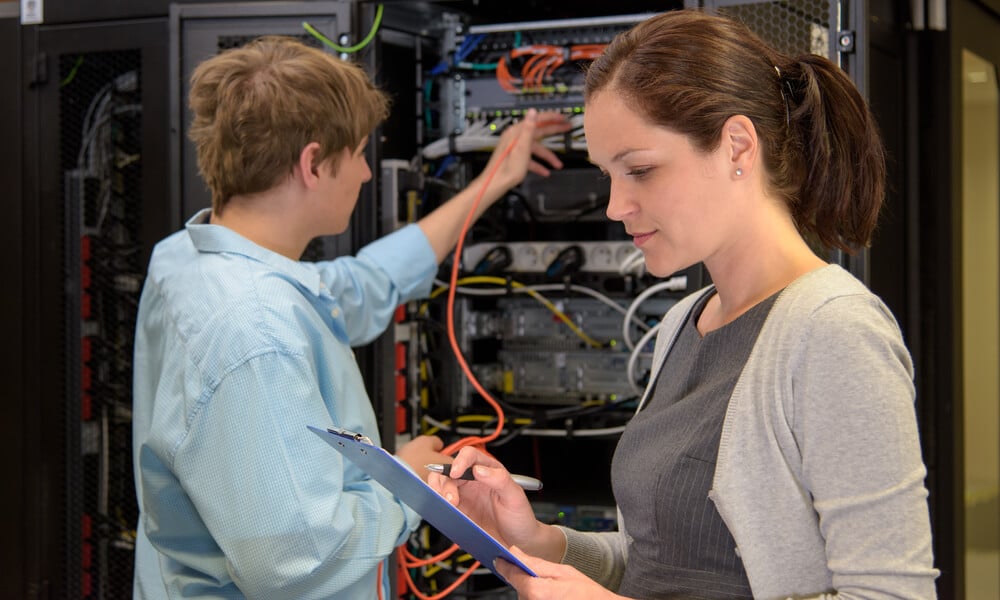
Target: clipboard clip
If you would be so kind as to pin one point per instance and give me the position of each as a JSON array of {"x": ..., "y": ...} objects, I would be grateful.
[{"x": 357, "y": 437}]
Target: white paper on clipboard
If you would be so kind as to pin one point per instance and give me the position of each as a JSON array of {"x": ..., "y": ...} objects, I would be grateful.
[{"x": 408, "y": 487}]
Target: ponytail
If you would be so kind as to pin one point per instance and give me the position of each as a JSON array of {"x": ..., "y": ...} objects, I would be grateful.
[{"x": 842, "y": 155}]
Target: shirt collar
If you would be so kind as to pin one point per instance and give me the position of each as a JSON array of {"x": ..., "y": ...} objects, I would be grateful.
[{"x": 218, "y": 239}]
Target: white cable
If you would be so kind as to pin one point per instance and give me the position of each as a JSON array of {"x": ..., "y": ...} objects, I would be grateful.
[
  {"x": 91, "y": 136},
  {"x": 633, "y": 357},
  {"x": 100, "y": 99},
  {"x": 483, "y": 135},
  {"x": 547, "y": 287},
  {"x": 634, "y": 263},
  {"x": 674, "y": 284}
]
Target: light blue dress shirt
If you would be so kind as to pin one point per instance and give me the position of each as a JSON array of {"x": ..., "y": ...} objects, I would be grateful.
[{"x": 237, "y": 349}]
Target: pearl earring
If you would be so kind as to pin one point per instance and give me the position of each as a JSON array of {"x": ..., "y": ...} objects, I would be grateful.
[{"x": 739, "y": 172}]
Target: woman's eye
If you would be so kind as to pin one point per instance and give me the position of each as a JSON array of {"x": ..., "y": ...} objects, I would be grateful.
[{"x": 638, "y": 173}]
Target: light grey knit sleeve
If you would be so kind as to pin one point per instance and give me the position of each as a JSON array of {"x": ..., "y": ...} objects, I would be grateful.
[
  {"x": 856, "y": 425},
  {"x": 598, "y": 555}
]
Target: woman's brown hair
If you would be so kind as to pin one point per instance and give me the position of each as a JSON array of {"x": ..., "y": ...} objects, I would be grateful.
[{"x": 689, "y": 71}]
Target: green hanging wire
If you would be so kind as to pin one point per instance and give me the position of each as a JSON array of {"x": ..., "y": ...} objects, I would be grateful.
[
  {"x": 354, "y": 48},
  {"x": 72, "y": 72}
]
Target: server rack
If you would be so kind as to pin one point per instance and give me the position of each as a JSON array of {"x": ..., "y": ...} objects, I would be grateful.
[{"x": 93, "y": 112}]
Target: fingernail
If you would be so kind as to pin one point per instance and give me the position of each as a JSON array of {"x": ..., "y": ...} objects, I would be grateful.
[
  {"x": 480, "y": 470},
  {"x": 449, "y": 498}
]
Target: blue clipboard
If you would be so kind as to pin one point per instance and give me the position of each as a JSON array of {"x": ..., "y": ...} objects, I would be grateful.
[{"x": 408, "y": 487}]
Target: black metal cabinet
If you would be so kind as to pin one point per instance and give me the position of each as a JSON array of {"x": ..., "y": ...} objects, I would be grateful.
[
  {"x": 12, "y": 332},
  {"x": 94, "y": 202}
]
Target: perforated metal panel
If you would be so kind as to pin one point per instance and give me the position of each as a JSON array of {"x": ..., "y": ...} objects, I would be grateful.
[
  {"x": 101, "y": 160},
  {"x": 795, "y": 27}
]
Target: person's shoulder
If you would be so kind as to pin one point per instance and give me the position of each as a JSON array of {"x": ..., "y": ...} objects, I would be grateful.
[
  {"x": 823, "y": 288},
  {"x": 832, "y": 303},
  {"x": 169, "y": 253},
  {"x": 229, "y": 306}
]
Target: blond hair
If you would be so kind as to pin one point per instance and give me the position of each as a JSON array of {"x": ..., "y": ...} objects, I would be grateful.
[{"x": 256, "y": 107}]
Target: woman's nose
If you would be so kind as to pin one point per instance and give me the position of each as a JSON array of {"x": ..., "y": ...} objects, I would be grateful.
[{"x": 619, "y": 206}]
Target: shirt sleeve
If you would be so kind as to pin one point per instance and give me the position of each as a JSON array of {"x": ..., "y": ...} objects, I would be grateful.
[
  {"x": 386, "y": 273},
  {"x": 292, "y": 519},
  {"x": 855, "y": 423}
]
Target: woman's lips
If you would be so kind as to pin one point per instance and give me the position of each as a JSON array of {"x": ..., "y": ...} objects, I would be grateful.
[{"x": 641, "y": 238}]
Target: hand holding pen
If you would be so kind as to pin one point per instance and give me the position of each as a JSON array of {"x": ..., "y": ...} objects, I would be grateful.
[
  {"x": 526, "y": 483},
  {"x": 489, "y": 495}
]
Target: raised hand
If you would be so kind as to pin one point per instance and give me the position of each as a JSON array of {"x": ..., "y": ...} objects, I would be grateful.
[{"x": 525, "y": 137}]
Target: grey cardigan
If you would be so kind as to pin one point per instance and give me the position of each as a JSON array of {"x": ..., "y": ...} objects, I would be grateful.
[{"x": 819, "y": 475}]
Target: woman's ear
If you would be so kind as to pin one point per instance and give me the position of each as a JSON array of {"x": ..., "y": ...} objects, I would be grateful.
[{"x": 739, "y": 137}]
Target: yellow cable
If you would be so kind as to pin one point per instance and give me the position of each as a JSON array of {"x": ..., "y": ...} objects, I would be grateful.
[
  {"x": 471, "y": 419},
  {"x": 516, "y": 284}
]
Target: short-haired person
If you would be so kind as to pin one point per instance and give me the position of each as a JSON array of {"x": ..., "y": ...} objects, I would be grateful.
[
  {"x": 775, "y": 452},
  {"x": 239, "y": 345}
]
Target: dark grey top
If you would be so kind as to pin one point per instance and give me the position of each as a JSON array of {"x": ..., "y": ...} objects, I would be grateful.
[{"x": 665, "y": 461}]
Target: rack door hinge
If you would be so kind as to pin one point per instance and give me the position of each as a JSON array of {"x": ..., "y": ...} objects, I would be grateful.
[{"x": 39, "y": 70}]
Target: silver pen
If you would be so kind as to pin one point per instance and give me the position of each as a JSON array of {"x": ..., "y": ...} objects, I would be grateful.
[{"x": 527, "y": 483}]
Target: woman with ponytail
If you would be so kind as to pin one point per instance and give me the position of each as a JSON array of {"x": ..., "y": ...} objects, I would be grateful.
[{"x": 775, "y": 452}]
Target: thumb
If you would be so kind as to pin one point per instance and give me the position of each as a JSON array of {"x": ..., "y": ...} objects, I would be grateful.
[
  {"x": 511, "y": 571},
  {"x": 519, "y": 554},
  {"x": 495, "y": 478},
  {"x": 530, "y": 123}
]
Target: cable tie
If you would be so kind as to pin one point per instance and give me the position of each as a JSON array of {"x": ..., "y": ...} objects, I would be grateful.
[{"x": 452, "y": 145}]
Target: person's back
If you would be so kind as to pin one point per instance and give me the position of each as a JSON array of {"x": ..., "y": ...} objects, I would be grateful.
[
  {"x": 223, "y": 320},
  {"x": 239, "y": 346}
]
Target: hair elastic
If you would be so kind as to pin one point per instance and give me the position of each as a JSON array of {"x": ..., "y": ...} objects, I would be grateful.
[{"x": 781, "y": 88}]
